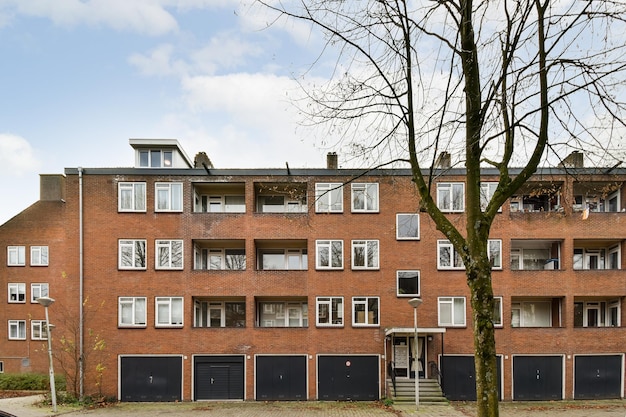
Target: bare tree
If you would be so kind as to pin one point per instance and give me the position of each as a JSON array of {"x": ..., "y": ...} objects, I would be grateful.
[{"x": 492, "y": 83}]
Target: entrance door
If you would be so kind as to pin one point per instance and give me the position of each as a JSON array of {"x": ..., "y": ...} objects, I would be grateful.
[
  {"x": 404, "y": 354},
  {"x": 218, "y": 378},
  {"x": 281, "y": 378},
  {"x": 598, "y": 377},
  {"x": 151, "y": 378},
  {"x": 537, "y": 378}
]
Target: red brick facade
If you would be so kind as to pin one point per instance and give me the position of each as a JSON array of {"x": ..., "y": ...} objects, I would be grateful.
[{"x": 563, "y": 293}]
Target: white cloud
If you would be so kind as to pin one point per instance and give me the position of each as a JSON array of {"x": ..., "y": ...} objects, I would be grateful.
[
  {"x": 141, "y": 16},
  {"x": 158, "y": 62},
  {"x": 16, "y": 156}
]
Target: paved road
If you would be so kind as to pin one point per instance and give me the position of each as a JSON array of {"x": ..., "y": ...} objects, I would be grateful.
[{"x": 30, "y": 407}]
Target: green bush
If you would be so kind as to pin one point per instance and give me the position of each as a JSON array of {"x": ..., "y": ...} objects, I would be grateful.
[{"x": 30, "y": 382}]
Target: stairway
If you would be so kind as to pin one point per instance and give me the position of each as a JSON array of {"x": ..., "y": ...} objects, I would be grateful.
[{"x": 430, "y": 391}]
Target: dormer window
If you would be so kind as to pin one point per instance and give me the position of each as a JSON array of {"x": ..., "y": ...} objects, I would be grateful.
[{"x": 155, "y": 158}]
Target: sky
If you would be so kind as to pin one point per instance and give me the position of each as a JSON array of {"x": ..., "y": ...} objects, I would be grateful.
[{"x": 78, "y": 78}]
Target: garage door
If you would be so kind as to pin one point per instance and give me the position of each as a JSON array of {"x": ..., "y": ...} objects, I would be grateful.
[
  {"x": 598, "y": 376},
  {"x": 218, "y": 378},
  {"x": 458, "y": 378},
  {"x": 350, "y": 378},
  {"x": 281, "y": 377},
  {"x": 151, "y": 378},
  {"x": 537, "y": 378}
]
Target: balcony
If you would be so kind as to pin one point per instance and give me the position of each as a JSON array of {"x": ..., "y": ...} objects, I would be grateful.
[
  {"x": 537, "y": 197},
  {"x": 216, "y": 312},
  {"x": 535, "y": 255},
  {"x": 282, "y": 312},
  {"x": 597, "y": 254},
  {"x": 219, "y": 198},
  {"x": 219, "y": 254},
  {"x": 274, "y": 255},
  {"x": 280, "y": 197},
  {"x": 597, "y": 312},
  {"x": 536, "y": 312},
  {"x": 597, "y": 197}
]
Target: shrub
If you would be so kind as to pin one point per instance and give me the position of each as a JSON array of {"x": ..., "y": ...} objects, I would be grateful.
[{"x": 30, "y": 382}]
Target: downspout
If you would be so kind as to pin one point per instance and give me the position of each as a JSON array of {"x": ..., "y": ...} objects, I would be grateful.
[{"x": 81, "y": 376}]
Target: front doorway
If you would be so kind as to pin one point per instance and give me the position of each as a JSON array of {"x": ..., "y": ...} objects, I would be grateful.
[{"x": 405, "y": 354}]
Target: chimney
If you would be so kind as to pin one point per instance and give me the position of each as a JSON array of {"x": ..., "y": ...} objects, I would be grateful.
[
  {"x": 573, "y": 160},
  {"x": 51, "y": 187},
  {"x": 202, "y": 161},
  {"x": 444, "y": 160},
  {"x": 331, "y": 160}
]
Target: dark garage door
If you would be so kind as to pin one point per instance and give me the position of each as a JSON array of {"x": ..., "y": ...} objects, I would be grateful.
[
  {"x": 218, "y": 378},
  {"x": 598, "y": 376},
  {"x": 352, "y": 378},
  {"x": 537, "y": 378},
  {"x": 281, "y": 378},
  {"x": 458, "y": 378},
  {"x": 151, "y": 378}
]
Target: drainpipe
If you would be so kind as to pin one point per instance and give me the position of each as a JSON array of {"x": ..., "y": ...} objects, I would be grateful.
[{"x": 81, "y": 375}]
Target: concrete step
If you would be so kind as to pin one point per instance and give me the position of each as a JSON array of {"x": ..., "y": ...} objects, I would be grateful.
[{"x": 430, "y": 391}]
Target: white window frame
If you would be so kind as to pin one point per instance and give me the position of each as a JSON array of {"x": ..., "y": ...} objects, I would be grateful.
[
  {"x": 17, "y": 329},
  {"x": 300, "y": 254},
  {"x": 39, "y": 289},
  {"x": 453, "y": 305},
  {"x": 367, "y": 195},
  {"x": 365, "y": 301},
  {"x": 398, "y": 277},
  {"x": 519, "y": 306},
  {"x": 366, "y": 245},
  {"x": 224, "y": 254},
  {"x": 167, "y": 252},
  {"x": 16, "y": 255},
  {"x": 411, "y": 218},
  {"x": 17, "y": 289},
  {"x": 497, "y": 312},
  {"x": 137, "y": 200},
  {"x": 487, "y": 190},
  {"x": 335, "y": 318},
  {"x": 334, "y": 248},
  {"x": 39, "y": 256},
  {"x": 281, "y": 314},
  {"x": 132, "y": 245},
  {"x": 138, "y": 318},
  {"x": 170, "y": 304},
  {"x": 164, "y": 157},
  {"x": 456, "y": 262},
  {"x": 173, "y": 197},
  {"x": 38, "y": 330},
  {"x": 329, "y": 197},
  {"x": 496, "y": 263},
  {"x": 448, "y": 189}
]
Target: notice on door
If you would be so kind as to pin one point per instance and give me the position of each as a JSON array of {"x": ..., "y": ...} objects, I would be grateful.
[{"x": 401, "y": 356}]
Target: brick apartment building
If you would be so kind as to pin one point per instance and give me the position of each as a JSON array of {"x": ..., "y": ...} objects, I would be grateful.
[{"x": 294, "y": 284}]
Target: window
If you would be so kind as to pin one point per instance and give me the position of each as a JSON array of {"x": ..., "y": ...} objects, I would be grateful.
[
  {"x": 169, "y": 311},
  {"x": 329, "y": 311},
  {"x": 451, "y": 311},
  {"x": 597, "y": 258},
  {"x": 535, "y": 254},
  {"x": 497, "y": 311},
  {"x": 1, "y": 367},
  {"x": 17, "y": 329},
  {"x": 16, "y": 256},
  {"x": 597, "y": 313},
  {"x": 132, "y": 312},
  {"x": 448, "y": 257},
  {"x": 220, "y": 258},
  {"x": 220, "y": 204},
  {"x": 169, "y": 254},
  {"x": 38, "y": 330},
  {"x": 132, "y": 254},
  {"x": 283, "y": 314},
  {"x": 365, "y": 254},
  {"x": 208, "y": 313},
  {"x": 329, "y": 254},
  {"x": 531, "y": 314},
  {"x": 407, "y": 226},
  {"x": 494, "y": 251},
  {"x": 487, "y": 189},
  {"x": 38, "y": 290},
  {"x": 408, "y": 283},
  {"x": 451, "y": 196},
  {"x": 132, "y": 196},
  {"x": 155, "y": 159},
  {"x": 365, "y": 311},
  {"x": 168, "y": 196},
  {"x": 329, "y": 198},
  {"x": 364, "y": 197},
  {"x": 277, "y": 259},
  {"x": 39, "y": 256},
  {"x": 17, "y": 292},
  {"x": 281, "y": 204}
]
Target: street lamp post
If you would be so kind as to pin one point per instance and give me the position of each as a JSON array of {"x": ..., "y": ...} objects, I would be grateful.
[
  {"x": 46, "y": 302},
  {"x": 416, "y": 302}
]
